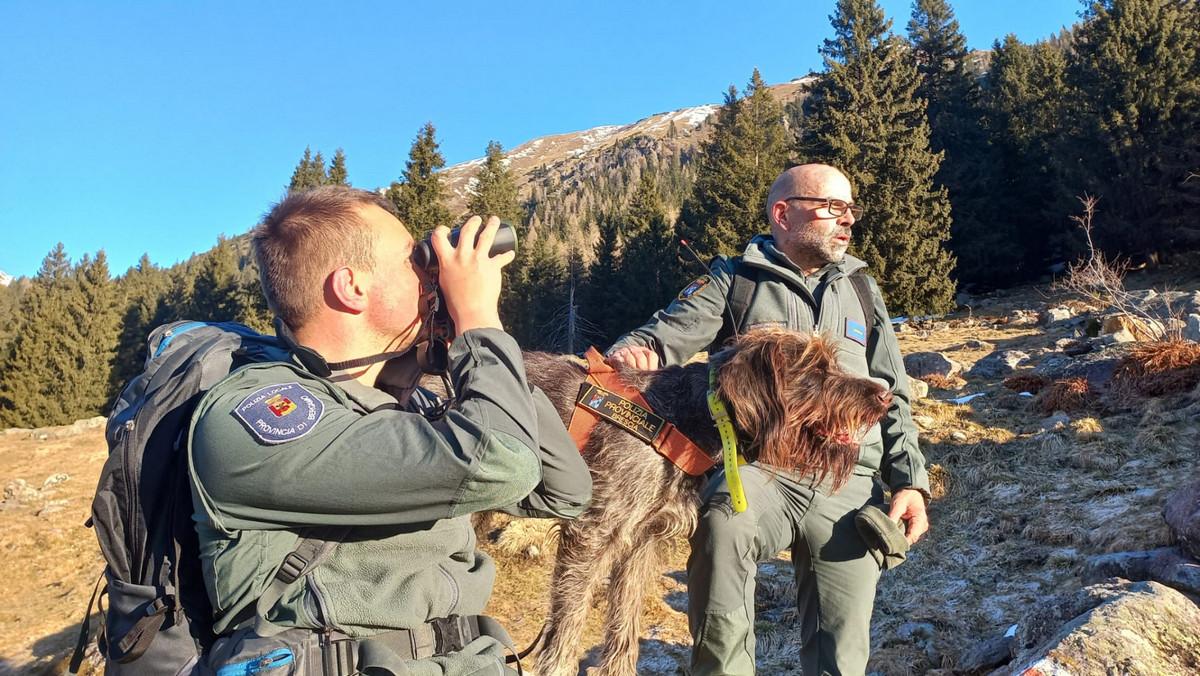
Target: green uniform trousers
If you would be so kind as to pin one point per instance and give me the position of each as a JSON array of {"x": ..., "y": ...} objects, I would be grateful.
[{"x": 835, "y": 575}]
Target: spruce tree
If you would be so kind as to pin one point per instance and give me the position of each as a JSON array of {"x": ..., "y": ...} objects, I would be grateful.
[
  {"x": 309, "y": 172},
  {"x": 420, "y": 196},
  {"x": 1025, "y": 99},
  {"x": 41, "y": 364},
  {"x": 494, "y": 191},
  {"x": 955, "y": 111},
  {"x": 97, "y": 314},
  {"x": 141, "y": 290},
  {"x": 337, "y": 170},
  {"x": 735, "y": 169},
  {"x": 601, "y": 299},
  {"x": 1136, "y": 76},
  {"x": 647, "y": 278},
  {"x": 864, "y": 117},
  {"x": 216, "y": 295},
  {"x": 544, "y": 289}
]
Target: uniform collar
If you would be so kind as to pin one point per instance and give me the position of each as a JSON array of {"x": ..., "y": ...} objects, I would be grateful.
[
  {"x": 310, "y": 359},
  {"x": 762, "y": 252}
]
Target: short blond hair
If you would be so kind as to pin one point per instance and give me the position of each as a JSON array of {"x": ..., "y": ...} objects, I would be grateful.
[{"x": 303, "y": 238}]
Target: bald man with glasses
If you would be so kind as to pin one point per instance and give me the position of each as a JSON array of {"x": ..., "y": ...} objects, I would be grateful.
[{"x": 801, "y": 278}]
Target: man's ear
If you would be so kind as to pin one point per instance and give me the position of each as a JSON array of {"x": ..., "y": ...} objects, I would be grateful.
[
  {"x": 779, "y": 214},
  {"x": 346, "y": 290}
]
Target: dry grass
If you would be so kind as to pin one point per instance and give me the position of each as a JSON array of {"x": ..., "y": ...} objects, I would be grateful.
[
  {"x": 1158, "y": 369},
  {"x": 940, "y": 382},
  {"x": 1026, "y": 382},
  {"x": 1069, "y": 395}
]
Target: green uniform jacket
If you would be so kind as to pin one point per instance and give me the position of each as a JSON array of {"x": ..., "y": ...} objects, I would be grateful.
[
  {"x": 346, "y": 455},
  {"x": 824, "y": 303}
]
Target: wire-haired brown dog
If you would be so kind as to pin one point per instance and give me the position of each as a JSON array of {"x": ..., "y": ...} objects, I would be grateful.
[{"x": 793, "y": 407}]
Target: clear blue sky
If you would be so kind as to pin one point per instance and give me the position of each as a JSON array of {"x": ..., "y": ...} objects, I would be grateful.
[{"x": 154, "y": 127}]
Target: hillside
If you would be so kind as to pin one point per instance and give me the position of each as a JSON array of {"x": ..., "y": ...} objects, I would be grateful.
[{"x": 1024, "y": 503}]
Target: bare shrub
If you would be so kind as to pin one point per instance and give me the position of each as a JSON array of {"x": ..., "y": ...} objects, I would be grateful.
[{"x": 1101, "y": 282}]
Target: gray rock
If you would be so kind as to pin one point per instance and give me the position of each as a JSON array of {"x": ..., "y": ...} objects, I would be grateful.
[
  {"x": 987, "y": 654},
  {"x": 19, "y": 490},
  {"x": 1169, "y": 304},
  {"x": 1135, "y": 628},
  {"x": 55, "y": 479},
  {"x": 1057, "y": 421},
  {"x": 1096, "y": 367},
  {"x": 1054, "y": 315},
  {"x": 1022, "y": 318},
  {"x": 1182, "y": 514},
  {"x": 1166, "y": 565},
  {"x": 918, "y": 389},
  {"x": 974, "y": 344},
  {"x": 1192, "y": 330},
  {"x": 998, "y": 364},
  {"x": 921, "y": 364}
]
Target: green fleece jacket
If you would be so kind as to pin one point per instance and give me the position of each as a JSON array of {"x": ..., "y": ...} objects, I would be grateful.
[
  {"x": 275, "y": 449},
  {"x": 824, "y": 302}
]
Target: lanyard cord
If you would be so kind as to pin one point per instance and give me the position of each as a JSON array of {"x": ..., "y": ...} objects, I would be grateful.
[{"x": 720, "y": 416}]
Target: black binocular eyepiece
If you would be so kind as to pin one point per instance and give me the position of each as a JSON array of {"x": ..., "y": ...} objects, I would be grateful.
[{"x": 424, "y": 257}]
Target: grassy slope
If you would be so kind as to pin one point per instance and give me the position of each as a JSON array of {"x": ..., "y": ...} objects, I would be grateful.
[{"x": 1016, "y": 510}]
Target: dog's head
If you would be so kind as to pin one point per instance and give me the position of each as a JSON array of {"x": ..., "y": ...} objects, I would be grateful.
[{"x": 796, "y": 406}]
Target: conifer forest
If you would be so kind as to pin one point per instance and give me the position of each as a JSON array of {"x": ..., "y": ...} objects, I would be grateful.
[{"x": 969, "y": 164}]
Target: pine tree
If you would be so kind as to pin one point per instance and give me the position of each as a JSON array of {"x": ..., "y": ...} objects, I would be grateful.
[
  {"x": 863, "y": 116},
  {"x": 955, "y": 113},
  {"x": 337, "y": 170},
  {"x": 543, "y": 290},
  {"x": 736, "y": 166},
  {"x": 97, "y": 316},
  {"x": 1136, "y": 76},
  {"x": 494, "y": 191},
  {"x": 420, "y": 197},
  {"x": 41, "y": 364}
]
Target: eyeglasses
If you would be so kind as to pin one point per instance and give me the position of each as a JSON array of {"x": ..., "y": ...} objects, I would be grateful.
[{"x": 836, "y": 207}]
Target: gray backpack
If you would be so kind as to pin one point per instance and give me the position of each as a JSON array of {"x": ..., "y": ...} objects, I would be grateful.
[{"x": 158, "y": 618}]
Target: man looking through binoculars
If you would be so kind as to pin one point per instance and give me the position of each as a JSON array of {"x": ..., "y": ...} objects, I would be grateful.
[{"x": 281, "y": 450}]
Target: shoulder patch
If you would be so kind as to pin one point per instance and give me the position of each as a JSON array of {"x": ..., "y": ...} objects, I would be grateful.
[
  {"x": 856, "y": 331},
  {"x": 278, "y": 413},
  {"x": 691, "y": 289}
]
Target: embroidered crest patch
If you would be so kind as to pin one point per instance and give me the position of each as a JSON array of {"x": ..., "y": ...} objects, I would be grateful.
[
  {"x": 856, "y": 331},
  {"x": 279, "y": 413},
  {"x": 691, "y": 289}
]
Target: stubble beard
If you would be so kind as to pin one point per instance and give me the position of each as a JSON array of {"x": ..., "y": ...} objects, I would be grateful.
[{"x": 816, "y": 245}]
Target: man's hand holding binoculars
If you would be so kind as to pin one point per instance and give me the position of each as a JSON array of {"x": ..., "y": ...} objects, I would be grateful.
[{"x": 468, "y": 277}]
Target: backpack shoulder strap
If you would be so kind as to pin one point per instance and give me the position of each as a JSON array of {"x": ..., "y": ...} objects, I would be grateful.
[
  {"x": 862, "y": 289},
  {"x": 741, "y": 292}
]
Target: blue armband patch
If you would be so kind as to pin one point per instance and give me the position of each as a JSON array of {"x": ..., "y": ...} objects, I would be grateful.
[
  {"x": 279, "y": 413},
  {"x": 856, "y": 331},
  {"x": 691, "y": 289}
]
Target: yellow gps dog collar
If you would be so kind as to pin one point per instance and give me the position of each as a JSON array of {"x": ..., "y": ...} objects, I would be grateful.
[{"x": 720, "y": 416}]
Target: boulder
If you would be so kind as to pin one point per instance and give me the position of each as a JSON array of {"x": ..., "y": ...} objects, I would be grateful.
[
  {"x": 987, "y": 654},
  {"x": 1125, "y": 328},
  {"x": 1182, "y": 514},
  {"x": 1192, "y": 330},
  {"x": 1055, "y": 422},
  {"x": 1166, "y": 565},
  {"x": 1167, "y": 304},
  {"x": 1096, "y": 367},
  {"x": 998, "y": 364},
  {"x": 921, "y": 364},
  {"x": 918, "y": 389},
  {"x": 19, "y": 490},
  {"x": 1054, "y": 315},
  {"x": 975, "y": 344},
  {"x": 1134, "y": 628}
]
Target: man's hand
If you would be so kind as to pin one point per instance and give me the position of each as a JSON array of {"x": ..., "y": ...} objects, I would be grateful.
[
  {"x": 637, "y": 356},
  {"x": 469, "y": 279},
  {"x": 908, "y": 505}
]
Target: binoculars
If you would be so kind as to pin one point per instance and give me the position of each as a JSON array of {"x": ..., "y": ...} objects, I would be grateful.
[
  {"x": 433, "y": 354},
  {"x": 424, "y": 257}
]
